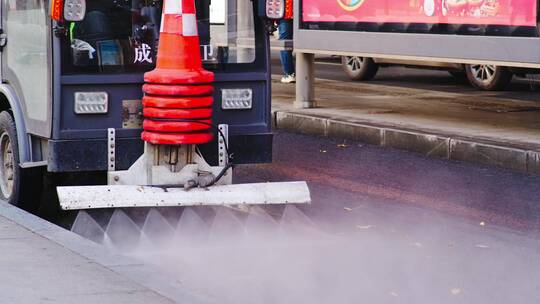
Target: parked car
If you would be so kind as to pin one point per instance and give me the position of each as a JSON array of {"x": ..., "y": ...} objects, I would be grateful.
[{"x": 482, "y": 76}]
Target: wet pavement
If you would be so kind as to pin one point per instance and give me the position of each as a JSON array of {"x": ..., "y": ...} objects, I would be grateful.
[
  {"x": 346, "y": 174},
  {"x": 418, "y": 230}
]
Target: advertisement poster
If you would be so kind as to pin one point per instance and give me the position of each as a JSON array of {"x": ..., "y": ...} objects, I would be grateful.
[{"x": 484, "y": 12}]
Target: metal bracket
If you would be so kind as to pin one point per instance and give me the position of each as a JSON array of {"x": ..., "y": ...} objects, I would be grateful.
[
  {"x": 111, "y": 149},
  {"x": 28, "y": 165},
  {"x": 223, "y": 144}
]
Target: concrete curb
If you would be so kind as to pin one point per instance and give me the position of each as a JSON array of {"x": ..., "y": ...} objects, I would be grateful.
[
  {"x": 144, "y": 275},
  {"x": 499, "y": 154}
]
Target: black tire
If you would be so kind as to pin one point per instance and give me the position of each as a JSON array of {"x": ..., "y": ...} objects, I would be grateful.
[
  {"x": 10, "y": 172},
  {"x": 359, "y": 68},
  {"x": 488, "y": 77}
]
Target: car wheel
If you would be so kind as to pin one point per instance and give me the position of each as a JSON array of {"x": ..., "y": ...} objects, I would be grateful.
[
  {"x": 488, "y": 77},
  {"x": 359, "y": 68},
  {"x": 10, "y": 173}
]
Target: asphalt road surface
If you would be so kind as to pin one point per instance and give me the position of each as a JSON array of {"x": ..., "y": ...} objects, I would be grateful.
[
  {"x": 344, "y": 173},
  {"x": 419, "y": 230}
]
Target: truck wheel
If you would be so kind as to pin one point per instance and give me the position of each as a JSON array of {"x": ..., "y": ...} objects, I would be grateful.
[
  {"x": 488, "y": 77},
  {"x": 10, "y": 173},
  {"x": 359, "y": 68}
]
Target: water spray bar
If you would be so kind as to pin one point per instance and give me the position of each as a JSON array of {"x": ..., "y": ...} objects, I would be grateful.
[{"x": 119, "y": 196}]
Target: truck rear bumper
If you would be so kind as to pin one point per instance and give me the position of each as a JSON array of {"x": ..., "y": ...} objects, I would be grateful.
[{"x": 81, "y": 155}]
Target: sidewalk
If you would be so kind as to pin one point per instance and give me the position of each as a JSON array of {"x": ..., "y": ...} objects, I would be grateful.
[
  {"x": 43, "y": 263},
  {"x": 489, "y": 131}
]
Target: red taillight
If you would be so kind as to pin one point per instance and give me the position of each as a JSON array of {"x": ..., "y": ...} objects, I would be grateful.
[{"x": 56, "y": 9}]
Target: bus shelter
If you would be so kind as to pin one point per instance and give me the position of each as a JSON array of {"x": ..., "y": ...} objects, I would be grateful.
[{"x": 495, "y": 32}]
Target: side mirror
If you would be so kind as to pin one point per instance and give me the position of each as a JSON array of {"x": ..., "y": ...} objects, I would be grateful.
[
  {"x": 275, "y": 9},
  {"x": 74, "y": 10}
]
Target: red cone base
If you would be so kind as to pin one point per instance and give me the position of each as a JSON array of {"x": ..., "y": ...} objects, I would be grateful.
[
  {"x": 160, "y": 76},
  {"x": 178, "y": 90},
  {"x": 177, "y": 105},
  {"x": 177, "y": 114},
  {"x": 177, "y": 102},
  {"x": 176, "y": 126}
]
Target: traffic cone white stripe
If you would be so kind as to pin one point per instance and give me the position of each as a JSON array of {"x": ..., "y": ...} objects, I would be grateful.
[
  {"x": 173, "y": 7},
  {"x": 173, "y": 19},
  {"x": 172, "y": 24},
  {"x": 189, "y": 25}
]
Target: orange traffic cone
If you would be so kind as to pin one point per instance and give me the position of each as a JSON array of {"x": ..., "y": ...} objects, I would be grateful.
[
  {"x": 178, "y": 93},
  {"x": 179, "y": 57}
]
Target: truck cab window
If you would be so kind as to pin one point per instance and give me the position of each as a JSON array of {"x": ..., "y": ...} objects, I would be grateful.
[{"x": 119, "y": 36}]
